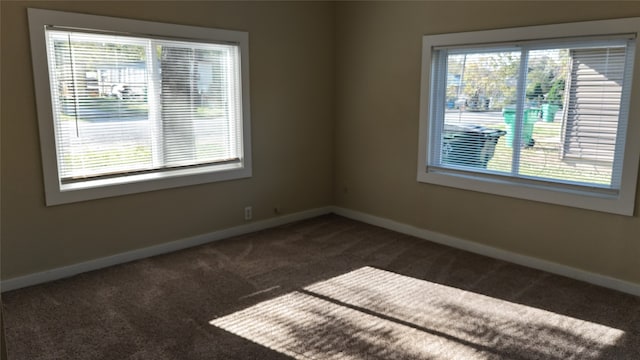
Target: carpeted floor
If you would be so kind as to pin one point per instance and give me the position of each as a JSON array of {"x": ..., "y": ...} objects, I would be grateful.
[{"x": 324, "y": 288}]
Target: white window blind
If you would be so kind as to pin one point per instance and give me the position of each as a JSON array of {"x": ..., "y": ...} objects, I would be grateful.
[
  {"x": 126, "y": 105},
  {"x": 545, "y": 111}
]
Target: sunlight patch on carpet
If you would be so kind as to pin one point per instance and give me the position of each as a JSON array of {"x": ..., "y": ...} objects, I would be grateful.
[{"x": 372, "y": 313}]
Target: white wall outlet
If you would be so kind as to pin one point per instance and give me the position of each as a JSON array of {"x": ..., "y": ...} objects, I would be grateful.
[{"x": 248, "y": 213}]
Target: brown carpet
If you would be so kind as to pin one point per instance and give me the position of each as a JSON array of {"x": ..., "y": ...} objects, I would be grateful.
[{"x": 324, "y": 288}]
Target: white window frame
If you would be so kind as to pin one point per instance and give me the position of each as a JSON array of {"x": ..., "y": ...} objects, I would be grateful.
[
  {"x": 621, "y": 202},
  {"x": 57, "y": 193}
]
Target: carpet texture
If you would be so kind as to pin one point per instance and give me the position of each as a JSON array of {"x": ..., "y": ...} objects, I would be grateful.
[{"x": 324, "y": 288}]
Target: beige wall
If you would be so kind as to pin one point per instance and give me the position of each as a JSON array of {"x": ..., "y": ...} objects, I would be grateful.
[
  {"x": 378, "y": 69},
  {"x": 291, "y": 65},
  {"x": 360, "y": 154}
]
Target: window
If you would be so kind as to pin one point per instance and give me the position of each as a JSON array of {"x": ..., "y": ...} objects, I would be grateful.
[
  {"x": 126, "y": 106},
  {"x": 539, "y": 113}
]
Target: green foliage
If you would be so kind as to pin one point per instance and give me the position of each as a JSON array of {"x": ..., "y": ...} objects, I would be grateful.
[
  {"x": 493, "y": 77},
  {"x": 485, "y": 77},
  {"x": 534, "y": 90},
  {"x": 556, "y": 93},
  {"x": 546, "y": 76}
]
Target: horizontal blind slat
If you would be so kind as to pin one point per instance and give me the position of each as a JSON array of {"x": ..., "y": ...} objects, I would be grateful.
[
  {"x": 109, "y": 119},
  {"x": 569, "y": 118}
]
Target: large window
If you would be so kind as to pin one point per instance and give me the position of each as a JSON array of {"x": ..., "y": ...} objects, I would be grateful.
[
  {"x": 540, "y": 113},
  {"x": 122, "y": 112}
]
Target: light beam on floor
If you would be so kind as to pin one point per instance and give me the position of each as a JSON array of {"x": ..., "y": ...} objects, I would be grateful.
[{"x": 371, "y": 313}]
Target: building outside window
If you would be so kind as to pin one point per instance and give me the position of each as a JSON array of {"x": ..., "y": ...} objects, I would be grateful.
[{"x": 520, "y": 113}]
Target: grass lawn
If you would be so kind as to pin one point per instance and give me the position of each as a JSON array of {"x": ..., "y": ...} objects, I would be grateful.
[{"x": 544, "y": 158}]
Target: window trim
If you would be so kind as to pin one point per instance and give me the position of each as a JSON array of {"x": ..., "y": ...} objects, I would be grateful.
[
  {"x": 621, "y": 203},
  {"x": 55, "y": 192}
]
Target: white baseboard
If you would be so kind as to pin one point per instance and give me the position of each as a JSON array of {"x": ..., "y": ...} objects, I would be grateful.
[
  {"x": 555, "y": 268},
  {"x": 528, "y": 261},
  {"x": 67, "y": 271}
]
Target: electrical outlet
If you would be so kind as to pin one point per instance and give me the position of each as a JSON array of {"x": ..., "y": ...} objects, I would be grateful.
[{"x": 248, "y": 213}]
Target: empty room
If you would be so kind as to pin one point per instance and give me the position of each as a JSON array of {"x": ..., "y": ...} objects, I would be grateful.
[{"x": 320, "y": 180}]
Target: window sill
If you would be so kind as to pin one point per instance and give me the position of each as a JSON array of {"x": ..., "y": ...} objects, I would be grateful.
[
  {"x": 95, "y": 189},
  {"x": 546, "y": 192}
]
